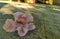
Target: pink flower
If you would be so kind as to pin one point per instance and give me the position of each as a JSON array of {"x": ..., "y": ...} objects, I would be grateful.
[{"x": 22, "y": 23}]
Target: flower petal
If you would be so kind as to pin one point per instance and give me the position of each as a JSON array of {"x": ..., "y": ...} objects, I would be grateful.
[
  {"x": 31, "y": 26},
  {"x": 29, "y": 17},
  {"x": 22, "y": 31},
  {"x": 20, "y": 17},
  {"x": 17, "y": 14},
  {"x": 9, "y": 26}
]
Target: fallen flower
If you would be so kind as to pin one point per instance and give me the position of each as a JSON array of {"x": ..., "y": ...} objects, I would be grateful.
[{"x": 22, "y": 23}]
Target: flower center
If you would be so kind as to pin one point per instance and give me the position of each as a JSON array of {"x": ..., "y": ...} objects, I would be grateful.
[{"x": 21, "y": 20}]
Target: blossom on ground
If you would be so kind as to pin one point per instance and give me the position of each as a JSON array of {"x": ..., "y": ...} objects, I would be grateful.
[{"x": 22, "y": 23}]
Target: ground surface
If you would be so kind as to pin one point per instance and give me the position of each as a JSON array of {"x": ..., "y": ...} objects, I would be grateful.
[{"x": 46, "y": 19}]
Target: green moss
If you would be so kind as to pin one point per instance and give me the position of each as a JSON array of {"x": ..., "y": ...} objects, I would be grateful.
[{"x": 47, "y": 23}]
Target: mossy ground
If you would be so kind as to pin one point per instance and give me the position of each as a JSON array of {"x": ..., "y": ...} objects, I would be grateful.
[{"x": 46, "y": 19}]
